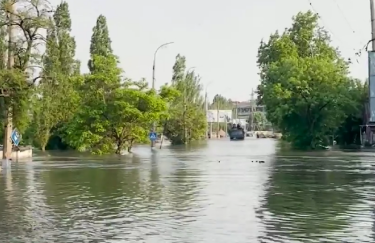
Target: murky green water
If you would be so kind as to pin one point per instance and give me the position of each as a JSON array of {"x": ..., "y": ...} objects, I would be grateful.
[{"x": 187, "y": 195}]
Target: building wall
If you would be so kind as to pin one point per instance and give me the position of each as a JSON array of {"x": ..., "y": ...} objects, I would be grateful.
[{"x": 244, "y": 109}]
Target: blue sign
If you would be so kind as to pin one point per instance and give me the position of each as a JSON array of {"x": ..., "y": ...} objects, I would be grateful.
[
  {"x": 153, "y": 136},
  {"x": 16, "y": 137}
]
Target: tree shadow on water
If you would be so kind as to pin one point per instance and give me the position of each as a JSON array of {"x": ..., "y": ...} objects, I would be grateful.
[{"x": 309, "y": 197}]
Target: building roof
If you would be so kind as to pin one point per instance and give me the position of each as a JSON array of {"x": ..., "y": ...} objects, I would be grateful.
[{"x": 245, "y": 103}]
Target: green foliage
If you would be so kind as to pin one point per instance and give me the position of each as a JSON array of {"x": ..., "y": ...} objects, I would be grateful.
[
  {"x": 111, "y": 121},
  {"x": 304, "y": 83},
  {"x": 221, "y": 103},
  {"x": 100, "y": 41},
  {"x": 187, "y": 119},
  {"x": 15, "y": 80},
  {"x": 349, "y": 130},
  {"x": 101, "y": 112},
  {"x": 16, "y": 84},
  {"x": 56, "y": 96}
]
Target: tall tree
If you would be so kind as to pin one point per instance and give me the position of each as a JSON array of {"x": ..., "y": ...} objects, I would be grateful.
[
  {"x": 103, "y": 62},
  {"x": 187, "y": 121},
  {"x": 57, "y": 98},
  {"x": 100, "y": 41},
  {"x": 304, "y": 82},
  {"x": 66, "y": 43},
  {"x": 179, "y": 69}
]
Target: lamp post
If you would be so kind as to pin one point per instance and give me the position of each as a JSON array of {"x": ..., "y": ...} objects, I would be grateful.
[{"x": 153, "y": 85}]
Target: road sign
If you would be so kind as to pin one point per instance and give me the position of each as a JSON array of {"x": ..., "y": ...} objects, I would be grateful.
[
  {"x": 15, "y": 136},
  {"x": 153, "y": 136}
]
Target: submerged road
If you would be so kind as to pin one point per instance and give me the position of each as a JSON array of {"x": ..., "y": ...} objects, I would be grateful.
[{"x": 214, "y": 192}]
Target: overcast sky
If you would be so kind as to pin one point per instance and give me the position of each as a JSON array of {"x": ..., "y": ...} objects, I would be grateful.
[{"x": 220, "y": 38}]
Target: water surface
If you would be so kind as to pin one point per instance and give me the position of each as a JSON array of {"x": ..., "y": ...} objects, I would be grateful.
[{"x": 213, "y": 192}]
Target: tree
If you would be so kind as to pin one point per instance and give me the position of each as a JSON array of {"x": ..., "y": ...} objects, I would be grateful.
[
  {"x": 100, "y": 41},
  {"x": 28, "y": 19},
  {"x": 112, "y": 120},
  {"x": 101, "y": 111},
  {"x": 349, "y": 130},
  {"x": 187, "y": 120},
  {"x": 304, "y": 82},
  {"x": 222, "y": 103},
  {"x": 114, "y": 113},
  {"x": 56, "y": 99}
]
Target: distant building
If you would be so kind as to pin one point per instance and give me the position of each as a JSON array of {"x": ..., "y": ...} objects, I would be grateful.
[{"x": 243, "y": 110}]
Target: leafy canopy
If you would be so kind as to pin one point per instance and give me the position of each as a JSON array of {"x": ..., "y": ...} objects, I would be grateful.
[{"x": 304, "y": 82}]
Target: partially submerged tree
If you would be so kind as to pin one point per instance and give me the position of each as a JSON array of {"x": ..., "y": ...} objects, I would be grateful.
[
  {"x": 113, "y": 120},
  {"x": 304, "y": 82},
  {"x": 102, "y": 111},
  {"x": 114, "y": 112},
  {"x": 24, "y": 21},
  {"x": 187, "y": 121},
  {"x": 56, "y": 97}
]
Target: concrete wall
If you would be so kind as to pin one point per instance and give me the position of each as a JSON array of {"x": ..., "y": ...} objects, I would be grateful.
[{"x": 23, "y": 154}]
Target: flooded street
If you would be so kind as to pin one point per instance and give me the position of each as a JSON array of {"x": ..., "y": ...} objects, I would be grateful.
[{"x": 214, "y": 193}]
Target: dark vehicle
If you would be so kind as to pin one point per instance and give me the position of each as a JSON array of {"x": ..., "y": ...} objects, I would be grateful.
[{"x": 237, "y": 133}]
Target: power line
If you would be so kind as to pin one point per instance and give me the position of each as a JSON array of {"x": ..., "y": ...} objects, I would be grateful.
[
  {"x": 346, "y": 19},
  {"x": 323, "y": 22},
  {"x": 348, "y": 22},
  {"x": 358, "y": 53}
]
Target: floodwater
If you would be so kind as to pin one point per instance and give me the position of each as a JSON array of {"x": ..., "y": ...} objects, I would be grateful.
[{"x": 214, "y": 192}]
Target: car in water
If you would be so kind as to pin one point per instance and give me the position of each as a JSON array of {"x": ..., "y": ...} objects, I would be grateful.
[{"x": 237, "y": 133}]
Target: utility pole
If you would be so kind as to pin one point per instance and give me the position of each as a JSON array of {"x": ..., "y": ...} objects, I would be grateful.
[
  {"x": 7, "y": 142},
  {"x": 252, "y": 109},
  {"x": 372, "y": 8},
  {"x": 153, "y": 85},
  {"x": 368, "y": 129},
  {"x": 206, "y": 111},
  {"x": 236, "y": 111},
  {"x": 218, "y": 119}
]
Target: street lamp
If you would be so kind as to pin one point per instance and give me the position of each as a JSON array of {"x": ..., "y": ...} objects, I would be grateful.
[
  {"x": 153, "y": 85},
  {"x": 153, "y": 66}
]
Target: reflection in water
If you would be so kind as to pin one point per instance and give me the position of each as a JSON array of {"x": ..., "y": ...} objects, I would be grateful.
[
  {"x": 318, "y": 198},
  {"x": 212, "y": 192}
]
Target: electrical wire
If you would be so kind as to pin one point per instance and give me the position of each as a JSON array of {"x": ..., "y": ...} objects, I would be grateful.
[
  {"x": 357, "y": 53},
  {"x": 364, "y": 48},
  {"x": 345, "y": 18}
]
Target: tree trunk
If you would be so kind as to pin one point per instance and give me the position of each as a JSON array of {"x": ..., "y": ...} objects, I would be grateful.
[
  {"x": 118, "y": 150},
  {"x": 119, "y": 147},
  {"x": 7, "y": 144},
  {"x": 43, "y": 147},
  {"x": 130, "y": 146}
]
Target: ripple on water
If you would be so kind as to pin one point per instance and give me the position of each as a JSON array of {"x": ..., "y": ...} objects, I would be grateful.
[{"x": 185, "y": 195}]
